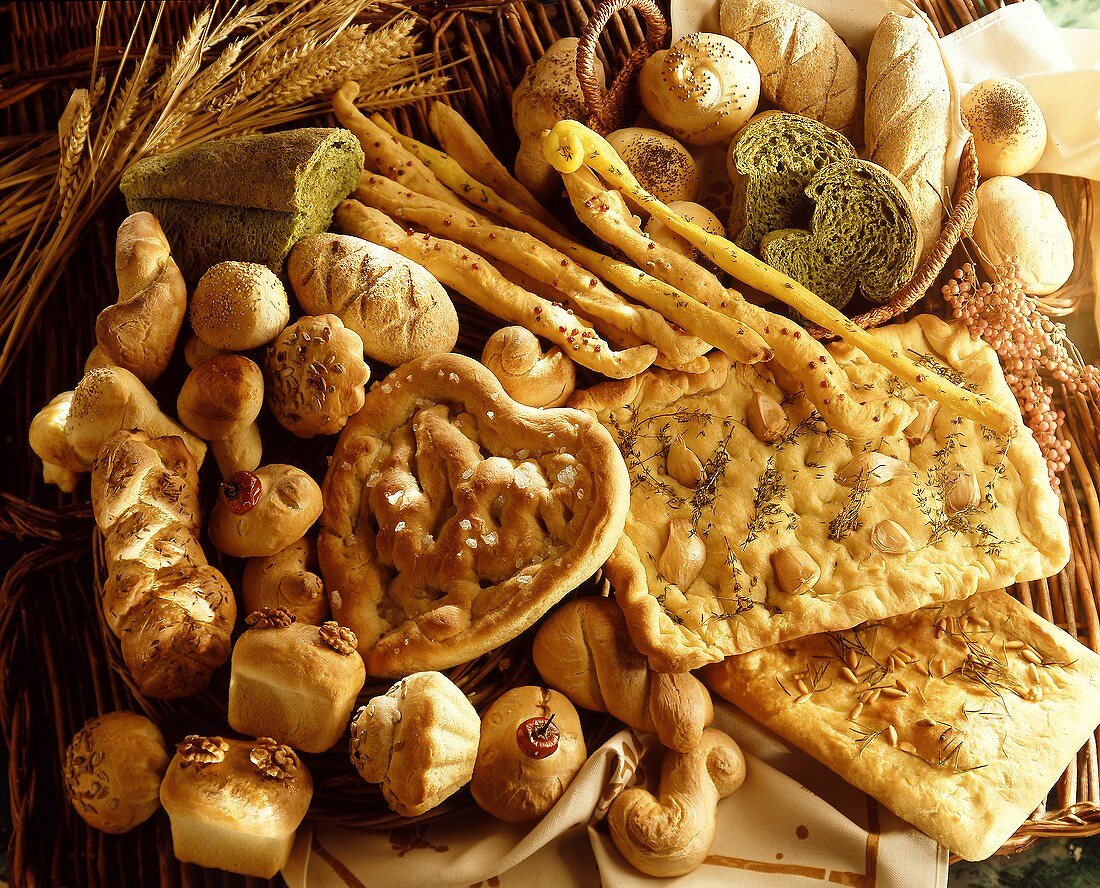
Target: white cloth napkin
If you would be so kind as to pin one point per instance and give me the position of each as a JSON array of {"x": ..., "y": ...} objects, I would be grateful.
[{"x": 793, "y": 824}]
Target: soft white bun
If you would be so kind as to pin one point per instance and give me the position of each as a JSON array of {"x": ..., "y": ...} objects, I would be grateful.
[
  {"x": 289, "y": 502},
  {"x": 529, "y": 375},
  {"x": 60, "y": 463},
  {"x": 702, "y": 89},
  {"x": 1010, "y": 133},
  {"x": 238, "y": 306},
  {"x": 1018, "y": 222},
  {"x": 661, "y": 234},
  {"x": 113, "y": 769},
  {"x": 662, "y": 166}
]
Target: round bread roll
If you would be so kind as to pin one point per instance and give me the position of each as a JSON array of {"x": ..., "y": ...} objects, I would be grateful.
[
  {"x": 419, "y": 740},
  {"x": 263, "y": 512},
  {"x": 219, "y": 401},
  {"x": 702, "y": 89},
  {"x": 1010, "y": 134},
  {"x": 238, "y": 306},
  {"x": 531, "y": 749},
  {"x": 113, "y": 769},
  {"x": 528, "y": 375},
  {"x": 661, "y": 234},
  {"x": 398, "y": 309},
  {"x": 318, "y": 376},
  {"x": 289, "y": 580},
  {"x": 662, "y": 166},
  {"x": 1019, "y": 223}
]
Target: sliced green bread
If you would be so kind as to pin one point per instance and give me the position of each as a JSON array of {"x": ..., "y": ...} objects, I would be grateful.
[
  {"x": 770, "y": 165},
  {"x": 248, "y": 199},
  {"x": 862, "y": 235}
]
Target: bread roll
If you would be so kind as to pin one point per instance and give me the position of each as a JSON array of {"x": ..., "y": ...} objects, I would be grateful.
[
  {"x": 317, "y": 375},
  {"x": 531, "y": 749},
  {"x": 262, "y": 512},
  {"x": 294, "y": 682},
  {"x": 528, "y": 375},
  {"x": 1010, "y": 133},
  {"x": 289, "y": 580},
  {"x": 1021, "y": 224},
  {"x": 661, "y": 165},
  {"x": 702, "y": 89},
  {"x": 805, "y": 68},
  {"x": 235, "y": 805},
  {"x": 419, "y": 740},
  {"x": 661, "y": 234},
  {"x": 219, "y": 401},
  {"x": 113, "y": 769},
  {"x": 60, "y": 463},
  {"x": 398, "y": 309},
  {"x": 907, "y": 122},
  {"x": 238, "y": 306}
]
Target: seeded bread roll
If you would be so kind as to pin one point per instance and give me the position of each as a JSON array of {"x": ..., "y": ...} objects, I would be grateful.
[
  {"x": 238, "y": 306},
  {"x": 1010, "y": 133},
  {"x": 398, "y": 309},
  {"x": 661, "y": 164}
]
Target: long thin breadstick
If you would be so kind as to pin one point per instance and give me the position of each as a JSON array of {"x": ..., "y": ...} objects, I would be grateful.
[
  {"x": 577, "y": 287},
  {"x": 571, "y": 145},
  {"x": 475, "y": 278},
  {"x": 739, "y": 341}
]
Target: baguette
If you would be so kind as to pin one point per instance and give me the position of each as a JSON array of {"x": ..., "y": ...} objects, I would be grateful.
[
  {"x": 907, "y": 124},
  {"x": 805, "y": 68}
]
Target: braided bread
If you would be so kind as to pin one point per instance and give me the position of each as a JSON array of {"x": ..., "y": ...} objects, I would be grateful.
[
  {"x": 584, "y": 650},
  {"x": 172, "y": 611}
]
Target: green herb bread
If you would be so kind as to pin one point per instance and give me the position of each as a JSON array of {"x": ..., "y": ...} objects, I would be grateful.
[
  {"x": 248, "y": 199},
  {"x": 862, "y": 235},
  {"x": 770, "y": 165}
]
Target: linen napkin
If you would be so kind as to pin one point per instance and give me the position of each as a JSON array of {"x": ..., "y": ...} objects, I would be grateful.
[{"x": 793, "y": 824}]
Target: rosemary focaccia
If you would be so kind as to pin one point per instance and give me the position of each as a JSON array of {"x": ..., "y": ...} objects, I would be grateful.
[
  {"x": 752, "y": 521},
  {"x": 959, "y": 717},
  {"x": 455, "y": 517}
]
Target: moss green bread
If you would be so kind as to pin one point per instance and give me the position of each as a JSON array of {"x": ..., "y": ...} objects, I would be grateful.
[
  {"x": 248, "y": 199},
  {"x": 771, "y": 163},
  {"x": 862, "y": 235}
]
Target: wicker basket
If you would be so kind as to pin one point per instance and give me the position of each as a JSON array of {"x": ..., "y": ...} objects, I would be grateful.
[{"x": 59, "y": 664}]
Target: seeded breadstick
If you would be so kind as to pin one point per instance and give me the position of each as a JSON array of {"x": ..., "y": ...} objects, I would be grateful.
[
  {"x": 384, "y": 154},
  {"x": 577, "y": 287},
  {"x": 731, "y": 336},
  {"x": 571, "y": 144},
  {"x": 462, "y": 142},
  {"x": 472, "y": 276},
  {"x": 855, "y": 413}
]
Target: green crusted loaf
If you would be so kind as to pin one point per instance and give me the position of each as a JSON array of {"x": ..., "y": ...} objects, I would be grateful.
[
  {"x": 862, "y": 235},
  {"x": 248, "y": 199},
  {"x": 770, "y": 165}
]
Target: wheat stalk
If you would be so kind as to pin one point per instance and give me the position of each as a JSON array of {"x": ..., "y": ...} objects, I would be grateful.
[{"x": 254, "y": 67}]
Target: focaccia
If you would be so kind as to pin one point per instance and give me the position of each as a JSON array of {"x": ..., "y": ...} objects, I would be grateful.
[
  {"x": 959, "y": 717},
  {"x": 455, "y": 517},
  {"x": 752, "y": 521}
]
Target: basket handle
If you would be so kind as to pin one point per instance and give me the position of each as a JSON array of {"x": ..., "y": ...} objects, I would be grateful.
[{"x": 606, "y": 109}]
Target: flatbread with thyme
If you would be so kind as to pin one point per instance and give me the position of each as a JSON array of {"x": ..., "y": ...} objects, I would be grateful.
[
  {"x": 752, "y": 521},
  {"x": 959, "y": 718}
]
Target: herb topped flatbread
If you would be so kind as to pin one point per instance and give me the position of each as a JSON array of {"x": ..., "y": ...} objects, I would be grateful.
[{"x": 752, "y": 522}]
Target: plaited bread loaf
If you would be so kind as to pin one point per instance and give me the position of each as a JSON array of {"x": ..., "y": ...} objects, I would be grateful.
[
  {"x": 584, "y": 650},
  {"x": 140, "y": 331},
  {"x": 907, "y": 122},
  {"x": 172, "y": 611},
  {"x": 805, "y": 68}
]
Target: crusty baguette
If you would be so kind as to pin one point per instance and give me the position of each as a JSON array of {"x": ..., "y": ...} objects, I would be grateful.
[
  {"x": 805, "y": 68},
  {"x": 907, "y": 123}
]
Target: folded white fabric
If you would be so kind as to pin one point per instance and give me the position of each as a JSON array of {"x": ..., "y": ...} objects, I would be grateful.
[{"x": 780, "y": 830}]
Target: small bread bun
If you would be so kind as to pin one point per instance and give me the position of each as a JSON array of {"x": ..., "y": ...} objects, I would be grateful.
[
  {"x": 1010, "y": 134},
  {"x": 195, "y": 351},
  {"x": 702, "y": 89},
  {"x": 294, "y": 682},
  {"x": 662, "y": 166},
  {"x": 525, "y": 761},
  {"x": 287, "y": 579},
  {"x": 235, "y": 805},
  {"x": 529, "y": 375},
  {"x": 661, "y": 234},
  {"x": 219, "y": 401},
  {"x": 1016, "y": 222},
  {"x": 419, "y": 740},
  {"x": 113, "y": 769},
  {"x": 262, "y": 512},
  {"x": 238, "y": 306}
]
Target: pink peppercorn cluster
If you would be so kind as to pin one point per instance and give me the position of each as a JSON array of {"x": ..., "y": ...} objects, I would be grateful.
[{"x": 1033, "y": 349}]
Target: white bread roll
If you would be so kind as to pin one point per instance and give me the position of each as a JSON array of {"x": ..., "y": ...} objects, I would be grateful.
[
  {"x": 662, "y": 166},
  {"x": 219, "y": 401},
  {"x": 262, "y": 512},
  {"x": 238, "y": 306},
  {"x": 1010, "y": 133},
  {"x": 529, "y": 375},
  {"x": 288, "y": 579}
]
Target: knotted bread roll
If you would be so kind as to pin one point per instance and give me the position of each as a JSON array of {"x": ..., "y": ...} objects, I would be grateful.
[
  {"x": 529, "y": 375},
  {"x": 584, "y": 650}
]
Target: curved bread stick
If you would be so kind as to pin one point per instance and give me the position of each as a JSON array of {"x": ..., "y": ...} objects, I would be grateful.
[{"x": 472, "y": 276}]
